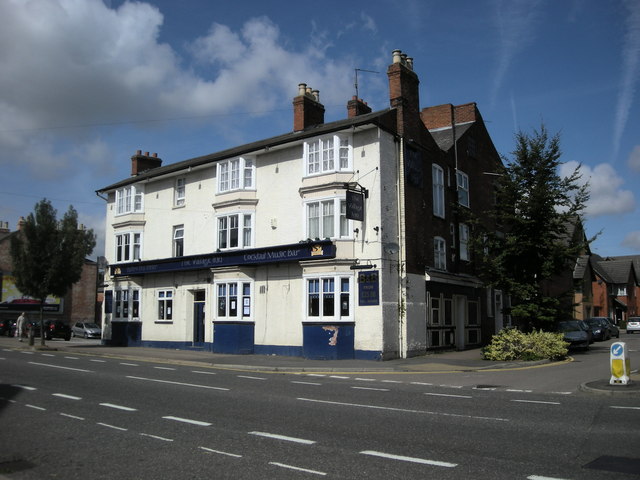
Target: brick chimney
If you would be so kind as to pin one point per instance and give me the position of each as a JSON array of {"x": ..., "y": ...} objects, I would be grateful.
[
  {"x": 4, "y": 227},
  {"x": 404, "y": 94},
  {"x": 307, "y": 109},
  {"x": 442, "y": 116},
  {"x": 357, "y": 106},
  {"x": 141, "y": 163}
]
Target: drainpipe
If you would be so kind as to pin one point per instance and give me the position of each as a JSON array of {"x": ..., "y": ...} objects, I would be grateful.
[{"x": 402, "y": 252}]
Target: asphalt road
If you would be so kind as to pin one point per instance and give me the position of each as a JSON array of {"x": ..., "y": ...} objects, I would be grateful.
[{"x": 69, "y": 416}]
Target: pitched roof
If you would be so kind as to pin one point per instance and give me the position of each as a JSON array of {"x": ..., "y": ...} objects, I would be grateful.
[
  {"x": 385, "y": 119},
  {"x": 618, "y": 271},
  {"x": 444, "y": 136}
]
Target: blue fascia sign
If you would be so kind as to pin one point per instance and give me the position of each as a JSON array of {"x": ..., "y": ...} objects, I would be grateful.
[{"x": 255, "y": 256}]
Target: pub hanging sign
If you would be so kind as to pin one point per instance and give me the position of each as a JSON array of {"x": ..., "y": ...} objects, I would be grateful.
[
  {"x": 355, "y": 205},
  {"x": 368, "y": 288}
]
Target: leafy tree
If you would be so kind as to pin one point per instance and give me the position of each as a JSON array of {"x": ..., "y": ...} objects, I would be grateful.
[
  {"x": 538, "y": 215},
  {"x": 48, "y": 255}
]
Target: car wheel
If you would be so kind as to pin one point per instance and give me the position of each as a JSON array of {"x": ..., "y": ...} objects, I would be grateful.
[
  {"x": 86, "y": 335},
  {"x": 67, "y": 338}
]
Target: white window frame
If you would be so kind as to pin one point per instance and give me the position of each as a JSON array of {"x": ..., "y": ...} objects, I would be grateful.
[
  {"x": 234, "y": 300},
  {"x": 245, "y": 229},
  {"x": 462, "y": 182},
  {"x": 439, "y": 253},
  {"x": 437, "y": 174},
  {"x": 129, "y": 199},
  {"x": 331, "y": 216},
  {"x": 126, "y": 303},
  {"x": 127, "y": 246},
  {"x": 463, "y": 237},
  {"x": 178, "y": 241},
  {"x": 340, "y": 286},
  {"x": 179, "y": 195},
  {"x": 328, "y": 154},
  {"x": 165, "y": 301},
  {"x": 235, "y": 174}
]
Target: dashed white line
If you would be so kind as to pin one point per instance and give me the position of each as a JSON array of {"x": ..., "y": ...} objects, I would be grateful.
[
  {"x": 112, "y": 426},
  {"x": 71, "y": 416},
  {"x": 536, "y": 401},
  {"x": 341, "y": 377},
  {"x": 561, "y": 393},
  {"x": 391, "y": 381},
  {"x": 366, "y": 379},
  {"x": 72, "y": 358},
  {"x": 371, "y": 388},
  {"x": 203, "y": 373},
  {"x": 625, "y": 408},
  {"x": 164, "y": 368},
  {"x": 251, "y": 378},
  {"x": 156, "y": 437},
  {"x": 299, "y": 469},
  {"x": 178, "y": 383},
  {"x": 275, "y": 436},
  {"x": 448, "y": 395},
  {"x": 422, "y": 383},
  {"x": 68, "y": 397},
  {"x": 35, "y": 407},
  {"x": 97, "y": 361},
  {"x": 305, "y": 383},
  {"x": 129, "y": 364},
  {"x": 517, "y": 390},
  {"x": 538, "y": 477},
  {"x": 188, "y": 420},
  {"x": 423, "y": 461},
  {"x": 315, "y": 375},
  {"x": 47, "y": 354},
  {"x": 451, "y": 386},
  {"x": 24, "y": 387},
  {"x": 119, "y": 407},
  {"x": 58, "y": 366},
  {"x": 211, "y": 450}
]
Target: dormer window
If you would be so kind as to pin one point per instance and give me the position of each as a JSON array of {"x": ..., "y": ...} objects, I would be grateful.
[
  {"x": 328, "y": 154},
  {"x": 236, "y": 174}
]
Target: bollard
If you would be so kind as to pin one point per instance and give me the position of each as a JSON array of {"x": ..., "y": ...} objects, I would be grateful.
[{"x": 620, "y": 364}]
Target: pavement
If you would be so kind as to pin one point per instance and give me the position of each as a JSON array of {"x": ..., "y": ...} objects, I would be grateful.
[{"x": 433, "y": 362}]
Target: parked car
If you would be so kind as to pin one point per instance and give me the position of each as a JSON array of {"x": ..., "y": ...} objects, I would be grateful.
[
  {"x": 28, "y": 326},
  {"x": 575, "y": 334},
  {"x": 633, "y": 324},
  {"x": 602, "y": 328},
  {"x": 57, "y": 329},
  {"x": 5, "y": 327},
  {"x": 585, "y": 326},
  {"x": 86, "y": 330}
]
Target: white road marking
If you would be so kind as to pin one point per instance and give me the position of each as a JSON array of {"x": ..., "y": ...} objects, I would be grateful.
[
  {"x": 58, "y": 366},
  {"x": 422, "y": 383},
  {"x": 35, "y": 407},
  {"x": 562, "y": 393},
  {"x": 47, "y": 354},
  {"x": 97, "y": 361},
  {"x": 72, "y": 358},
  {"x": 283, "y": 437},
  {"x": 203, "y": 373},
  {"x": 129, "y": 364},
  {"x": 112, "y": 426},
  {"x": 210, "y": 450},
  {"x": 300, "y": 469},
  {"x": 157, "y": 437},
  {"x": 164, "y": 368},
  {"x": 394, "y": 409},
  {"x": 315, "y": 375},
  {"x": 371, "y": 388},
  {"x": 119, "y": 407},
  {"x": 423, "y": 461},
  {"x": 451, "y": 386},
  {"x": 178, "y": 383},
  {"x": 188, "y": 420},
  {"x": 341, "y": 377},
  {"x": 625, "y": 408},
  {"x": 538, "y": 477},
  {"x": 27, "y": 353},
  {"x": 366, "y": 379},
  {"x": 391, "y": 381},
  {"x": 251, "y": 378},
  {"x": 24, "y": 387},
  {"x": 518, "y": 390},
  {"x": 448, "y": 395},
  {"x": 306, "y": 383},
  {"x": 71, "y": 416},
  {"x": 68, "y": 397},
  {"x": 536, "y": 401}
]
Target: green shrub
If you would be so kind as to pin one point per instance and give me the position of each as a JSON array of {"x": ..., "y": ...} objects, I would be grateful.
[{"x": 512, "y": 344}]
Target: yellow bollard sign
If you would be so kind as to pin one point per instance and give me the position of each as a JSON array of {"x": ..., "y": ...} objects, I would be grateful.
[{"x": 620, "y": 364}]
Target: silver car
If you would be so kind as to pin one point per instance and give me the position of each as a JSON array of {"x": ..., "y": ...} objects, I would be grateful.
[
  {"x": 633, "y": 324},
  {"x": 86, "y": 330}
]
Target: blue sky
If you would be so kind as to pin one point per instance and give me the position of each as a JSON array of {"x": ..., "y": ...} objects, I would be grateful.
[{"x": 86, "y": 83}]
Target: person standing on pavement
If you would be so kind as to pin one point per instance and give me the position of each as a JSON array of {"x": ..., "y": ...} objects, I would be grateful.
[{"x": 20, "y": 326}]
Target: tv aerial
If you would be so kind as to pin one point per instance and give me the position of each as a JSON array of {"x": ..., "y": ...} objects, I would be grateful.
[{"x": 356, "y": 82}]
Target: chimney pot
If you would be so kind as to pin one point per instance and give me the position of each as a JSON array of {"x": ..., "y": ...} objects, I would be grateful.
[
  {"x": 316, "y": 95},
  {"x": 146, "y": 154},
  {"x": 397, "y": 56},
  {"x": 302, "y": 88},
  {"x": 138, "y": 152}
]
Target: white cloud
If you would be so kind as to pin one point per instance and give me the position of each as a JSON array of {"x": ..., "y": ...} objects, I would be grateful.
[
  {"x": 607, "y": 198},
  {"x": 632, "y": 240},
  {"x": 630, "y": 71},
  {"x": 634, "y": 159}
]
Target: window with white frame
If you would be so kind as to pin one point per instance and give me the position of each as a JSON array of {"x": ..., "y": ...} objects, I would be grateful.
[
  {"x": 328, "y": 154},
  {"x": 621, "y": 291},
  {"x": 327, "y": 219},
  {"x": 463, "y": 231},
  {"x": 165, "y": 305},
  {"x": 126, "y": 304},
  {"x": 234, "y": 300},
  {"x": 463, "y": 188},
  {"x": 438, "y": 190},
  {"x": 129, "y": 199},
  {"x": 128, "y": 246},
  {"x": 329, "y": 298},
  {"x": 235, "y": 231},
  {"x": 439, "y": 253},
  {"x": 179, "y": 193},
  {"x": 236, "y": 174},
  {"x": 178, "y": 241}
]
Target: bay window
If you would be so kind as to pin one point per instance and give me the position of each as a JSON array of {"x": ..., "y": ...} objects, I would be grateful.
[
  {"x": 328, "y": 154},
  {"x": 128, "y": 246},
  {"x": 233, "y": 300},
  {"x": 236, "y": 174},
  {"x": 129, "y": 199},
  {"x": 329, "y": 298},
  {"x": 327, "y": 219}
]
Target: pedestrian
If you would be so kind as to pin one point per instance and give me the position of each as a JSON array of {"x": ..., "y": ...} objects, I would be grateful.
[{"x": 20, "y": 326}]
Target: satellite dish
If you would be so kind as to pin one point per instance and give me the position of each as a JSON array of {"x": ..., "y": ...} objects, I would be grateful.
[{"x": 391, "y": 248}]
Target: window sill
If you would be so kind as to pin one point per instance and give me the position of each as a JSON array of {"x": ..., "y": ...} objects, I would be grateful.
[{"x": 163, "y": 322}]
